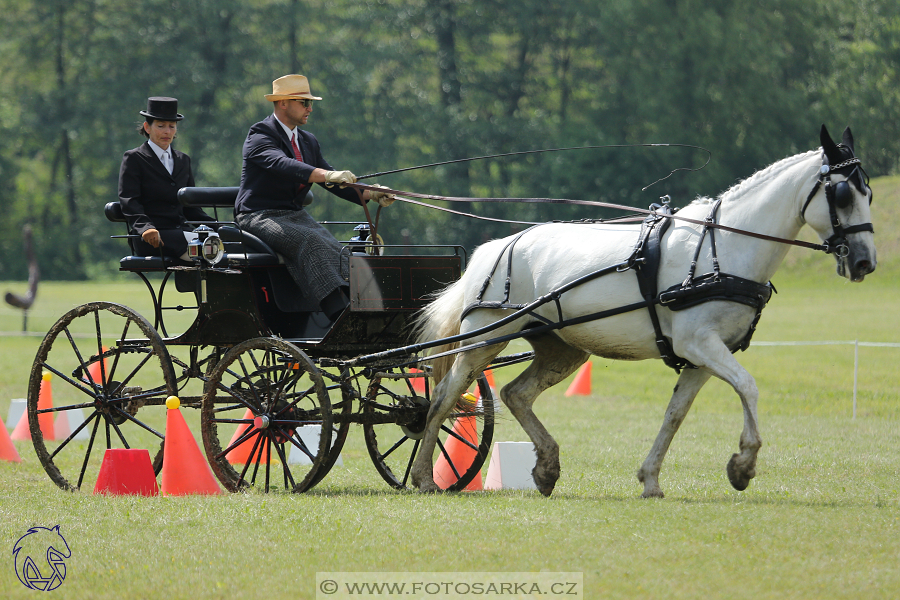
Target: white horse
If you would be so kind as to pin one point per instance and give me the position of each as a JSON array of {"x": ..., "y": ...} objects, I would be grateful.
[{"x": 776, "y": 201}]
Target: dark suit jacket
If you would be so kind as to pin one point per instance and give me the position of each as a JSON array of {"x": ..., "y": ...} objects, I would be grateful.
[
  {"x": 271, "y": 177},
  {"x": 149, "y": 198}
]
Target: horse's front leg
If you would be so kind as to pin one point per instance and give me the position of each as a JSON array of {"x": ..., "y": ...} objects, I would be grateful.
[
  {"x": 689, "y": 383},
  {"x": 715, "y": 356}
]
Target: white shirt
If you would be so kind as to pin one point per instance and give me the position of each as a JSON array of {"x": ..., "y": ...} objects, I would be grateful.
[
  {"x": 291, "y": 133},
  {"x": 162, "y": 155}
]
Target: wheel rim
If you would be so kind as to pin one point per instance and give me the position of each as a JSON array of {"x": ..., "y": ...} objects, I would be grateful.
[
  {"x": 266, "y": 418},
  {"x": 106, "y": 363},
  {"x": 393, "y": 448}
]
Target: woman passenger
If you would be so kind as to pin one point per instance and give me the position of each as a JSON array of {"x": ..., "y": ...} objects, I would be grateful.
[{"x": 149, "y": 180}]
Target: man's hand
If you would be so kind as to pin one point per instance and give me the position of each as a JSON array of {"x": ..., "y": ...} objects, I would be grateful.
[
  {"x": 339, "y": 177},
  {"x": 382, "y": 198},
  {"x": 151, "y": 236}
]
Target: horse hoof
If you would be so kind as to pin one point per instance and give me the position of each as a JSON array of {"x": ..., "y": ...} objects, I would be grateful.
[
  {"x": 739, "y": 481},
  {"x": 546, "y": 490}
]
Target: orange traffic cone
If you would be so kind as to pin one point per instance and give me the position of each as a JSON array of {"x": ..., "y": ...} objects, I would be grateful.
[
  {"x": 45, "y": 420},
  {"x": 241, "y": 454},
  {"x": 418, "y": 383},
  {"x": 581, "y": 385},
  {"x": 7, "y": 448},
  {"x": 96, "y": 371},
  {"x": 185, "y": 470},
  {"x": 461, "y": 454}
]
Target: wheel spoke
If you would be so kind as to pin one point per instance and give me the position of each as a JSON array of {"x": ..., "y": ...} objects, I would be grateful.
[
  {"x": 258, "y": 435},
  {"x": 87, "y": 454},
  {"x": 409, "y": 464},
  {"x": 112, "y": 371},
  {"x": 69, "y": 380},
  {"x": 81, "y": 363},
  {"x": 74, "y": 433},
  {"x": 250, "y": 380},
  {"x": 119, "y": 432},
  {"x": 395, "y": 446},
  {"x": 103, "y": 379},
  {"x": 251, "y": 431},
  {"x": 135, "y": 370},
  {"x": 139, "y": 423},
  {"x": 455, "y": 435},
  {"x": 448, "y": 459}
]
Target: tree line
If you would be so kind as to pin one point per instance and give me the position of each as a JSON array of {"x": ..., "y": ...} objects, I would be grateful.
[{"x": 409, "y": 82}]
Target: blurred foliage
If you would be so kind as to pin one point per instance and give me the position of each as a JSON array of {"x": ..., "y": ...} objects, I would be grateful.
[{"x": 408, "y": 82}]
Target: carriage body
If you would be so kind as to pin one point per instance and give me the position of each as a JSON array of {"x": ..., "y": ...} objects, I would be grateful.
[{"x": 256, "y": 345}]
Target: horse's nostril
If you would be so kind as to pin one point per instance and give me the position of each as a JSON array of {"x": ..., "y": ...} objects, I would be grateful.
[{"x": 864, "y": 266}]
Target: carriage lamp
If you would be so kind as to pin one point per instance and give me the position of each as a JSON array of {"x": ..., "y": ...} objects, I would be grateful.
[{"x": 207, "y": 245}]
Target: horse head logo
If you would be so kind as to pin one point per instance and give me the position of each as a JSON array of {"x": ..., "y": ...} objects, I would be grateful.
[{"x": 38, "y": 545}]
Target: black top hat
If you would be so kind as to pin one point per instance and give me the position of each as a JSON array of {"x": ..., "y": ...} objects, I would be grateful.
[{"x": 162, "y": 109}]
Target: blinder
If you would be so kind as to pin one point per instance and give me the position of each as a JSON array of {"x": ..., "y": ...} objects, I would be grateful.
[{"x": 842, "y": 194}]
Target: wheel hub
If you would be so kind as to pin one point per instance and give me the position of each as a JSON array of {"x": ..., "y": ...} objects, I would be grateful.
[{"x": 415, "y": 429}]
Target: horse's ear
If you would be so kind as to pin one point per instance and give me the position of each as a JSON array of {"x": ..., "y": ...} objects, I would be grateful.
[
  {"x": 828, "y": 146},
  {"x": 848, "y": 138}
]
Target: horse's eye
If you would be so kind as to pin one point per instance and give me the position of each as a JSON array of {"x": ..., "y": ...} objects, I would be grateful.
[{"x": 843, "y": 195}]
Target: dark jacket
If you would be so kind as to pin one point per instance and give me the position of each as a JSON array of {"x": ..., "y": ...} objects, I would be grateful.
[
  {"x": 149, "y": 198},
  {"x": 271, "y": 177}
]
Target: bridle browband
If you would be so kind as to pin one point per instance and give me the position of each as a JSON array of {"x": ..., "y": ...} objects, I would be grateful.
[{"x": 837, "y": 196}]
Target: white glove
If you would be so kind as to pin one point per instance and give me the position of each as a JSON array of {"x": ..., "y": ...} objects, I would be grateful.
[
  {"x": 339, "y": 177},
  {"x": 382, "y": 198}
]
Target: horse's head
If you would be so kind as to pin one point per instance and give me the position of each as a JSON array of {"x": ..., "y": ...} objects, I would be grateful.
[{"x": 838, "y": 208}]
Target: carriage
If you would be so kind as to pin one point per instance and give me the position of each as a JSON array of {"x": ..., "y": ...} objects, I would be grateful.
[
  {"x": 275, "y": 403},
  {"x": 279, "y": 384}
]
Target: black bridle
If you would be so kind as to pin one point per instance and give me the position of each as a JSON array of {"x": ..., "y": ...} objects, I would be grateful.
[{"x": 839, "y": 195}]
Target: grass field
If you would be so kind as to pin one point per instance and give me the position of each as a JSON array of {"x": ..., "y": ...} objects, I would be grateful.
[{"x": 820, "y": 520}]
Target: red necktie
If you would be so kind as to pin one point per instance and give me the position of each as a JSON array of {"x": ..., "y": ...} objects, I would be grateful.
[{"x": 297, "y": 154}]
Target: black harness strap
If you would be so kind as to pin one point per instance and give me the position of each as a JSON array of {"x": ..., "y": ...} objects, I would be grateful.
[{"x": 646, "y": 259}]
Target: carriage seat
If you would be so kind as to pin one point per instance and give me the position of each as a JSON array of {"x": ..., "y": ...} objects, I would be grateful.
[{"x": 242, "y": 248}]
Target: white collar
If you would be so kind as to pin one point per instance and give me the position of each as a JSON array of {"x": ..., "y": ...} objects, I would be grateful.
[
  {"x": 159, "y": 151},
  {"x": 290, "y": 132}
]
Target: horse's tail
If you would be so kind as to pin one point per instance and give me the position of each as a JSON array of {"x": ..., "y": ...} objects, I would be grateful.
[{"x": 442, "y": 319}]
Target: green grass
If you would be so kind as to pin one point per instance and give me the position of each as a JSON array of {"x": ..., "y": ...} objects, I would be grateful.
[{"x": 819, "y": 521}]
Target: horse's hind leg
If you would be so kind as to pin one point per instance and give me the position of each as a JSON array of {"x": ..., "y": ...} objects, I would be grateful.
[
  {"x": 444, "y": 398},
  {"x": 689, "y": 383},
  {"x": 554, "y": 360}
]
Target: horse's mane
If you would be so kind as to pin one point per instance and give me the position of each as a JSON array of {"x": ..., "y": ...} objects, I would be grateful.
[{"x": 760, "y": 177}]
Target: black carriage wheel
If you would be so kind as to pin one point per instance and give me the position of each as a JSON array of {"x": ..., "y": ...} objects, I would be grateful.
[
  {"x": 393, "y": 448},
  {"x": 265, "y": 399},
  {"x": 105, "y": 362}
]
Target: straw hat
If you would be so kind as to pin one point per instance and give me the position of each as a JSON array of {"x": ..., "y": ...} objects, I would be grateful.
[
  {"x": 162, "y": 108},
  {"x": 290, "y": 87}
]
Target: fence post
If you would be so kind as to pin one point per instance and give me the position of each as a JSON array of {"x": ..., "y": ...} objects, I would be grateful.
[{"x": 855, "y": 372}]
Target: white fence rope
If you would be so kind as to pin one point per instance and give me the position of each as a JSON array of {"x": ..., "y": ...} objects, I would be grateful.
[{"x": 855, "y": 343}]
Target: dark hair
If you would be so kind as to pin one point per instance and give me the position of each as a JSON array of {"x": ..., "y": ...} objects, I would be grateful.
[{"x": 140, "y": 127}]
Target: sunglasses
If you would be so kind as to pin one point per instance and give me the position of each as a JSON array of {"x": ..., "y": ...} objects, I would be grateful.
[{"x": 305, "y": 102}]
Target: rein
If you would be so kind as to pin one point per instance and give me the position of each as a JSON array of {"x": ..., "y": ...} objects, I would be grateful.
[{"x": 827, "y": 248}]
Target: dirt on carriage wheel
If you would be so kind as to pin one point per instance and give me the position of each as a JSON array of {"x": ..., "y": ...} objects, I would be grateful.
[
  {"x": 107, "y": 368},
  {"x": 266, "y": 405}
]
